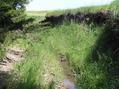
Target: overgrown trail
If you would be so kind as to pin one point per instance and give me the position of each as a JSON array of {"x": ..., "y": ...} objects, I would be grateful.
[
  {"x": 68, "y": 71},
  {"x": 46, "y": 63},
  {"x": 58, "y": 72},
  {"x": 70, "y": 78},
  {"x": 13, "y": 55}
]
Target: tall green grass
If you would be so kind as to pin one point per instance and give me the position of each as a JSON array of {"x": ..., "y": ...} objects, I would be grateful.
[{"x": 76, "y": 42}]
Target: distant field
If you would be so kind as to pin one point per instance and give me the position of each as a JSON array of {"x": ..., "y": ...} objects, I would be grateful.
[
  {"x": 92, "y": 9},
  {"x": 73, "y": 11},
  {"x": 36, "y": 13}
]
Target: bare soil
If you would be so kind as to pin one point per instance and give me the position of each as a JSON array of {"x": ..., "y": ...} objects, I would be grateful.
[{"x": 13, "y": 55}]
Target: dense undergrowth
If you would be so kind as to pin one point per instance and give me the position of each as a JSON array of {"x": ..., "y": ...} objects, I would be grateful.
[
  {"x": 51, "y": 43},
  {"x": 91, "y": 50},
  {"x": 82, "y": 44}
]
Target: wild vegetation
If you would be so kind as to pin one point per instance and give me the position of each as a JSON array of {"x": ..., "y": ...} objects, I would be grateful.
[{"x": 86, "y": 55}]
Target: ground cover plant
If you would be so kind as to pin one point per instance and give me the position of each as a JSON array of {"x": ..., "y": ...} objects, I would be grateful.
[{"x": 64, "y": 56}]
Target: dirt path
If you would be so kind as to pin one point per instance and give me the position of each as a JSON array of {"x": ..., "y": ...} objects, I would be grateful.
[
  {"x": 70, "y": 80},
  {"x": 55, "y": 71},
  {"x": 52, "y": 72},
  {"x": 59, "y": 72},
  {"x": 13, "y": 55}
]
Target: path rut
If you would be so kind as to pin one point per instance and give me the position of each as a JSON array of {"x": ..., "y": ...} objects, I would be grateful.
[
  {"x": 62, "y": 76},
  {"x": 13, "y": 55}
]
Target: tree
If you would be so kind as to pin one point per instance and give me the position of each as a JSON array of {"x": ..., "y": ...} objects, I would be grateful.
[{"x": 12, "y": 12}]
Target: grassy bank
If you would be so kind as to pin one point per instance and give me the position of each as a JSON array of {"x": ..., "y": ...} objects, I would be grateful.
[
  {"x": 81, "y": 44},
  {"x": 90, "y": 50},
  {"x": 77, "y": 42}
]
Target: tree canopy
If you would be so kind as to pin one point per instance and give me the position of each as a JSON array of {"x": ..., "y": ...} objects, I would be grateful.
[{"x": 12, "y": 11}]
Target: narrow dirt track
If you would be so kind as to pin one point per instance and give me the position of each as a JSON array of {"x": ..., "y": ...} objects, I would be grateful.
[
  {"x": 13, "y": 55},
  {"x": 59, "y": 72}
]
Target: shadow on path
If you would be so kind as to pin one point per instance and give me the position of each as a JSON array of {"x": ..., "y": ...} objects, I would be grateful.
[{"x": 4, "y": 77}]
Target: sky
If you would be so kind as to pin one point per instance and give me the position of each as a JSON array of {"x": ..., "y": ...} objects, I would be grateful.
[{"x": 39, "y": 5}]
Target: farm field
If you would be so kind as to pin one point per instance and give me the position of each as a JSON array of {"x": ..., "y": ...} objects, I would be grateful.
[{"x": 36, "y": 13}]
